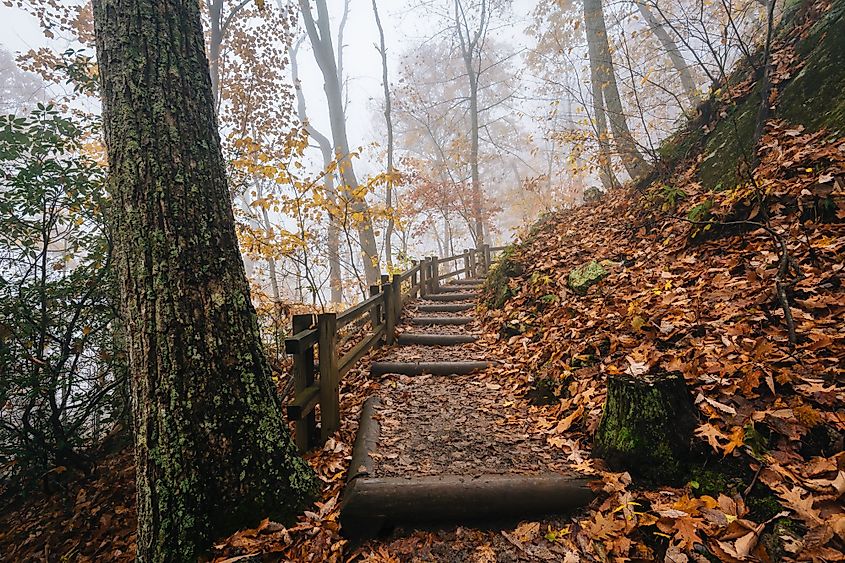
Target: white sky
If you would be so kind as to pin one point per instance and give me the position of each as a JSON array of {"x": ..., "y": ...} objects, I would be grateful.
[{"x": 403, "y": 28}]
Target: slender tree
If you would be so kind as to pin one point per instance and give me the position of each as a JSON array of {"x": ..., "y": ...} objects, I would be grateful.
[
  {"x": 388, "y": 118},
  {"x": 320, "y": 36},
  {"x": 672, "y": 50},
  {"x": 601, "y": 65},
  {"x": 327, "y": 152},
  {"x": 213, "y": 452},
  {"x": 472, "y": 32},
  {"x": 606, "y": 175}
]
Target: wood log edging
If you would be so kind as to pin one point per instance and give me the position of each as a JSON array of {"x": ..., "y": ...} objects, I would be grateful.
[
  {"x": 440, "y": 320},
  {"x": 428, "y": 339},
  {"x": 446, "y": 307},
  {"x": 432, "y": 368},
  {"x": 370, "y": 503}
]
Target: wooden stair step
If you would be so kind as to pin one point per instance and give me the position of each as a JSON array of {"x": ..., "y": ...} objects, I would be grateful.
[
  {"x": 433, "y": 368},
  {"x": 458, "y": 288},
  {"x": 441, "y": 320},
  {"x": 451, "y": 296},
  {"x": 427, "y": 339},
  {"x": 469, "y": 281},
  {"x": 370, "y": 504},
  {"x": 445, "y": 307}
]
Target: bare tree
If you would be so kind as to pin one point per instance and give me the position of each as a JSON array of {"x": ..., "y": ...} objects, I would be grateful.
[
  {"x": 472, "y": 33},
  {"x": 672, "y": 50},
  {"x": 219, "y": 21},
  {"x": 327, "y": 152},
  {"x": 601, "y": 66},
  {"x": 388, "y": 234},
  {"x": 319, "y": 33}
]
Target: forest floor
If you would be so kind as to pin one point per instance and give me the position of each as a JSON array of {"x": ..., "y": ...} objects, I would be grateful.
[
  {"x": 767, "y": 477},
  {"x": 767, "y": 480}
]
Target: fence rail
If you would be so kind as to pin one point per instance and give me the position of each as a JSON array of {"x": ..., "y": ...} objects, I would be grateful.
[{"x": 318, "y": 365}]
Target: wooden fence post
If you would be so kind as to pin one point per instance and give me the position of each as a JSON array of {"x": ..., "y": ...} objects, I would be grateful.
[
  {"x": 473, "y": 262},
  {"x": 435, "y": 274},
  {"x": 376, "y": 317},
  {"x": 389, "y": 311},
  {"x": 466, "y": 263},
  {"x": 329, "y": 375},
  {"x": 423, "y": 278},
  {"x": 487, "y": 258},
  {"x": 396, "y": 285},
  {"x": 303, "y": 376}
]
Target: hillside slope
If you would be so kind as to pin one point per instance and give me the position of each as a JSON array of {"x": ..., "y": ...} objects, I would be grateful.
[{"x": 706, "y": 283}]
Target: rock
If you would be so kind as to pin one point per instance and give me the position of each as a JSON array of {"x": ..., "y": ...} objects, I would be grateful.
[
  {"x": 582, "y": 278},
  {"x": 592, "y": 194}
]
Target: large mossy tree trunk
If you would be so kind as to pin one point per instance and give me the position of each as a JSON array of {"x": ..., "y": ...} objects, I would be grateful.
[
  {"x": 213, "y": 452},
  {"x": 646, "y": 426}
]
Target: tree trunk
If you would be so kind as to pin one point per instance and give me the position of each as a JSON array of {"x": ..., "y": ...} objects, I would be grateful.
[
  {"x": 213, "y": 451},
  {"x": 271, "y": 262},
  {"x": 215, "y": 41},
  {"x": 335, "y": 275},
  {"x": 319, "y": 34},
  {"x": 599, "y": 52},
  {"x": 388, "y": 233},
  {"x": 671, "y": 48},
  {"x": 470, "y": 52},
  {"x": 646, "y": 426},
  {"x": 606, "y": 175},
  {"x": 477, "y": 203}
]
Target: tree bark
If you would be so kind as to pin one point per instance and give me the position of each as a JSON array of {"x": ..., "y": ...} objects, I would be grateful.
[
  {"x": 606, "y": 175},
  {"x": 671, "y": 48},
  {"x": 213, "y": 451},
  {"x": 388, "y": 117},
  {"x": 468, "y": 44},
  {"x": 599, "y": 52},
  {"x": 335, "y": 275},
  {"x": 319, "y": 34},
  {"x": 646, "y": 426}
]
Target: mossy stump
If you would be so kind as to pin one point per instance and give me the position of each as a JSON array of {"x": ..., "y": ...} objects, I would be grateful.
[{"x": 646, "y": 426}]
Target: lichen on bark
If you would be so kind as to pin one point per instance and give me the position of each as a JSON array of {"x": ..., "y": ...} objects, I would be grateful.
[{"x": 213, "y": 452}]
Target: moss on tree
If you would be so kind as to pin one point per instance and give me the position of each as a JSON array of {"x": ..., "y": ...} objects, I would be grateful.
[{"x": 213, "y": 452}]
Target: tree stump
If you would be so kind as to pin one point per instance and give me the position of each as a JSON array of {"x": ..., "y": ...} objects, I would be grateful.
[{"x": 647, "y": 425}]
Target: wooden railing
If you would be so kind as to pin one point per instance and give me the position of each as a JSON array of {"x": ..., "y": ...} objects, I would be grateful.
[{"x": 319, "y": 362}]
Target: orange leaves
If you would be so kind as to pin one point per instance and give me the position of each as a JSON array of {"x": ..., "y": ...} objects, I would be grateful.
[
  {"x": 602, "y": 527},
  {"x": 719, "y": 441}
]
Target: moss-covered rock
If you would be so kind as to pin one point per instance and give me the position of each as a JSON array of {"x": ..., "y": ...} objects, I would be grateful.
[
  {"x": 583, "y": 277},
  {"x": 815, "y": 97},
  {"x": 497, "y": 287}
]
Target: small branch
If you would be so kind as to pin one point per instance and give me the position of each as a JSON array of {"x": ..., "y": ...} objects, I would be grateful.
[{"x": 785, "y": 263}]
